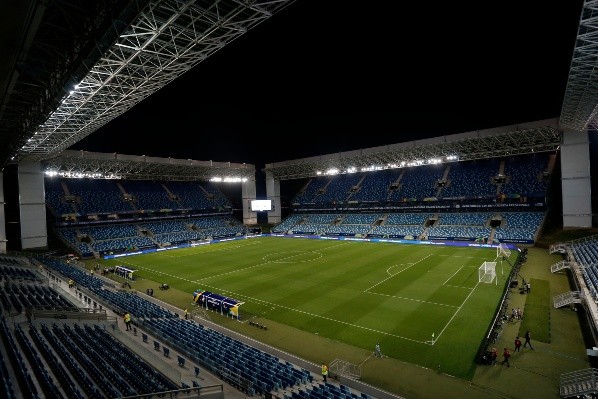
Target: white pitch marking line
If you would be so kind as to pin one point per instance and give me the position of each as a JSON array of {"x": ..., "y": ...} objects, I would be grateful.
[
  {"x": 292, "y": 254},
  {"x": 458, "y": 286},
  {"x": 380, "y": 282},
  {"x": 398, "y": 264},
  {"x": 167, "y": 254},
  {"x": 322, "y": 317},
  {"x": 458, "y": 256},
  {"x": 456, "y": 312},
  {"x": 226, "y": 273},
  {"x": 453, "y": 275},
  {"x": 414, "y": 300}
]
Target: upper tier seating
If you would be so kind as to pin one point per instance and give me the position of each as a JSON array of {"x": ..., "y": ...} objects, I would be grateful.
[
  {"x": 339, "y": 189},
  {"x": 148, "y": 195},
  {"x": 190, "y": 195},
  {"x": 216, "y": 196},
  {"x": 310, "y": 192},
  {"x": 419, "y": 182},
  {"x": 526, "y": 175},
  {"x": 375, "y": 187},
  {"x": 471, "y": 179}
]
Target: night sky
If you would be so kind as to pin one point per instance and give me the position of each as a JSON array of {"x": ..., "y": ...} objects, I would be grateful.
[{"x": 329, "y": 76}]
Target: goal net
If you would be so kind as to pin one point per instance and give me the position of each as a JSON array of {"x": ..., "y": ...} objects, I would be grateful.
[
  {"x": 502, "y": 250},
  {"x": 487, "y": 272}
]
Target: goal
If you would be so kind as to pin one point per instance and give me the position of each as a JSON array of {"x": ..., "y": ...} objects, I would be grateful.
[
  {"x": 487, "y": 272},
  {"x": 502, "y": 251}
]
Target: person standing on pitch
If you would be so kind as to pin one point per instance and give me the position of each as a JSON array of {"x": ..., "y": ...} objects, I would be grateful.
[{"x": 377, "y": 352}]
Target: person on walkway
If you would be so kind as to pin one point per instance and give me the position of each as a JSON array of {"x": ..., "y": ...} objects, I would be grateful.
[
  {"x": 493, "y": 356},
  {"x": 528, "y": 340},
  {"x": 506, "y": 355},
  {"x": 377, "y": 351},
  {"x": 324, "y": 371},
  {"x": 186, "y": 314},
  {"x": 517, "y": 344},
  {"x": 127, "y": 319}
]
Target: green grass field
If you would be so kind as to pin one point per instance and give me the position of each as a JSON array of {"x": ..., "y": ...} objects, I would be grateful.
[{"x": 358, "y": 293}]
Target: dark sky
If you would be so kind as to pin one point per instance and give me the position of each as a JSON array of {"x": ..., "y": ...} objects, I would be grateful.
[{"x": 328, "y": 76}]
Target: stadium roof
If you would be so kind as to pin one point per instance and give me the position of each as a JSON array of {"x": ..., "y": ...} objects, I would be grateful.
[
  {"x": 72, "y": 163},
  {"x": 116, "y": 54},
  {"x": 580, "y": 104},
  {"x": 534, "y": 137},
  {"x": 73, "y": 68}
]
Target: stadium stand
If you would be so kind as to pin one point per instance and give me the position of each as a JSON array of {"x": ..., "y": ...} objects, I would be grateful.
[{"x": 494, "y": 200}]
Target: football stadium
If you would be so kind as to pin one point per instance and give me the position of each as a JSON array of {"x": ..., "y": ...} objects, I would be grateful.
[{"x": 460, "y": 265}]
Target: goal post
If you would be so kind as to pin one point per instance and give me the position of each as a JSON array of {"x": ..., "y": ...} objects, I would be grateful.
[
  {"x": 487, "y": 272},
  {"x": 502, "y": 251}
]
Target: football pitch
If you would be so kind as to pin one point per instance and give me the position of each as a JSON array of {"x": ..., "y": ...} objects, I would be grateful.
[{"x": 423, "y": 303}]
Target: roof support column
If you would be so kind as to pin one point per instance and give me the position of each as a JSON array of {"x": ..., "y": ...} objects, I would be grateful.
[
  {"x": 273, "y": 194},
  {"x": 575, "y": 179},
  {"x": 248, "y": 194},
  {"x": 32, "y": 205}
]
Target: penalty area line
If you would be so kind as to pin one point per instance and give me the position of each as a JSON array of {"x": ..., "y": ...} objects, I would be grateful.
[{"x": 455, "y": 314}]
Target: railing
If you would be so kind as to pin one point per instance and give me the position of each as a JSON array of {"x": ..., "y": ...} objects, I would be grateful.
[
  {"x": 584, "y": 239},
  {"x": 210, "y": 391},
  {"x": 558, "y": 248},
  {"x": 561, "y": 265},
  {"x": 567, "y": 298},
  {"x": 581, "y": 382},
  {"x": 53, "y": 312}
]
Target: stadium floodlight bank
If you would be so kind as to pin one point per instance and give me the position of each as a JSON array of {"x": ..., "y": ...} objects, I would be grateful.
[
  {"x": 487, "y": 272},
  {"x": 502, "y": 251}
]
